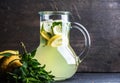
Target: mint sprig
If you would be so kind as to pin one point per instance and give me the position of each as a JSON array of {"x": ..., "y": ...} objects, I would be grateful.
[{"x": 30, "y": 72}]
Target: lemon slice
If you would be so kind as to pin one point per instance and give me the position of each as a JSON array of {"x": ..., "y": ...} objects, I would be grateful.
[
  {"x": 55, "y": 41},
  {"x": 9, "y": 51},
  {"x": 57, "y": 29},
  {"x": 45, "y": 35},
  {"x": 47, "y": 26}
]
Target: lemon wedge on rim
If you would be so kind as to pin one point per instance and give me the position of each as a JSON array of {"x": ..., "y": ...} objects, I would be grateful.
[{"x": 55, "y": 41}]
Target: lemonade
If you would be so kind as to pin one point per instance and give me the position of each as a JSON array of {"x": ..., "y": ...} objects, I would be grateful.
[
  {"x": 55, "y": 62},
  {"x": 54, "y": 50}
]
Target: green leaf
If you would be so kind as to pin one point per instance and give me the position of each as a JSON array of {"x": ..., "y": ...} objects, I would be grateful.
[
  {"x": 30, "y": 72},
  {"x": 33, "y": 53},
  {"x": 56, "y": 23}
]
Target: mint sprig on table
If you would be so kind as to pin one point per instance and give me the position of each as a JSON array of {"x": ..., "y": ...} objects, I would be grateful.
[{"x": 30, "y": 72}]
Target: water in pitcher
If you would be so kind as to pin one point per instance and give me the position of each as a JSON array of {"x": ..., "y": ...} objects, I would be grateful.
[{"x": 55, "y": 51}]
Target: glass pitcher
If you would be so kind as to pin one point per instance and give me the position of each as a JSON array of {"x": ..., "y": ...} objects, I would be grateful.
[{"x": 54, "y": 50}]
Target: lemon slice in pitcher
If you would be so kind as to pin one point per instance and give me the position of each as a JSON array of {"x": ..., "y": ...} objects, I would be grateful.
[
  {"x": 45, "y": 35},
  {"x": 57, "y": 29},
  {"x": 47, "y": 26},
  {"x": 55, "y": 41}
]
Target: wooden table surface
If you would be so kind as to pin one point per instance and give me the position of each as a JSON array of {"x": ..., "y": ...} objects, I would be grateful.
[{"x": 93, "y": 78}]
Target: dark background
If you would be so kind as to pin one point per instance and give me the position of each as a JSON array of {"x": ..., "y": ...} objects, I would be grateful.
[{"x": 19, "y": 21}]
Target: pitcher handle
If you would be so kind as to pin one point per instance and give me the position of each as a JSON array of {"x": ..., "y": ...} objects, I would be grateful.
[{"x": 87, "y": 39}]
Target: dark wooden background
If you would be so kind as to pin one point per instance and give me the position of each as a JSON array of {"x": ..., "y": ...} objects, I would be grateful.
[{"x": 19, "y": 21}]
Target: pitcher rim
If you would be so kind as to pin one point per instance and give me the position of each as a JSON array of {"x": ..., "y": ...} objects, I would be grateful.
[{"x": 54, "y": 12}]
